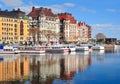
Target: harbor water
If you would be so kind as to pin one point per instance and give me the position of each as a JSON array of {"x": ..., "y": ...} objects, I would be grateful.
[{"x": 95, "y": 67}]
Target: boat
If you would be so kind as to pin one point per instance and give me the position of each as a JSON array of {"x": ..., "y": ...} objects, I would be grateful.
[
  {"x": 98, "y": 47},
  {"x": 72, "y": 48},
  {"x": 82, "y": 48},
  {"x": 6, "y": 49},
  {"x": 57, "y": 48},
  {"x": 30, "y": 49}
]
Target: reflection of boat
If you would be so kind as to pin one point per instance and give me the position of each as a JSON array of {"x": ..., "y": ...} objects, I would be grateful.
[
  {"x": 98, "y": 51},
  {"x": 98, "y": 47},
  {"x": 72, "y": 53},
  {"x": 85, "y": 53},
  {"x": 102, "y": 51},
  {"x": 8, "y": 57},
  {"x": 1, "y": 59},
  {"x": 33, "y": 54}
]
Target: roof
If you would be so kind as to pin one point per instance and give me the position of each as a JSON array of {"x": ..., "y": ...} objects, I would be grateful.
[
  {"x": 41, "y": 10},
  {"x": 67, "y": 16},
  {"x": 12, "y": 14},
  {"x": 69, "y": 76}
]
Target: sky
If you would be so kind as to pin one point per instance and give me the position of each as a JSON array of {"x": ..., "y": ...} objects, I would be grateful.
[{"x": 102, "y": 15}]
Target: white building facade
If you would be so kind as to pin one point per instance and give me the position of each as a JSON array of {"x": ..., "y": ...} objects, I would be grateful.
[
  {"x": 46, "y": 21},
  {"x": 83, "y": 32}
]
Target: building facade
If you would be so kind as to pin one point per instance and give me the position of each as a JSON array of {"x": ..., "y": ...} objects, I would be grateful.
[
  {"x": 68, "y": 27},
  {"x": 84, "y": 32},
  {"x": 13, "y": 26},
  {"x": 46, "y": 22}
]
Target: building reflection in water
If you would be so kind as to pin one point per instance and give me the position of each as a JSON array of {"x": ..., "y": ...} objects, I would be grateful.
[
  {"x": 71, "y": 64},
  {"x": 13, "y": 68},
  {"x": 45, "y": 69},
  {"x": 110, "y": 50},
  {"x": 42, "y": 69}
]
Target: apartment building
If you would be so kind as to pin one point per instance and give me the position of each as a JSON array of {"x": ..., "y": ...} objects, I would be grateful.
[
  {"x": 45, "y": 20},
  {"x": 68, "y": 27},
  {"x": 84, "y": 32},
  {"x": 13, "y": 26}
]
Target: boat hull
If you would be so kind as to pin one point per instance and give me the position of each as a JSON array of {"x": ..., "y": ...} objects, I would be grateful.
[
  {"x": 8, "y": 52},
  {"x": 55, "y": 50}
]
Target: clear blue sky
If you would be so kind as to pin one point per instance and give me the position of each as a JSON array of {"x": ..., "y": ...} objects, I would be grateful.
[{"x": 102, "y": 15}]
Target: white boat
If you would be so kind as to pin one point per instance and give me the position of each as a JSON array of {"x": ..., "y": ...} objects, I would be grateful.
[
  {"x": 82, "y": 48},
  {"x": 58, "y": 48},
  {"x": 30, "y": 49},
  {"x": 72, "y": 48},
  {"x": 98, "y": 47},
  {"x": 7, "y": 50}
]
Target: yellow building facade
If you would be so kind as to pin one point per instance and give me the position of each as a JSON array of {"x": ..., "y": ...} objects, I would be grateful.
[{"x": 13, "y": 30}]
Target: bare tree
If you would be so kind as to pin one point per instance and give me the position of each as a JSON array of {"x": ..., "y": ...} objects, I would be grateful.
[
  {"x": 49, "y": 34},
  {"x": 33, "y": 32}
]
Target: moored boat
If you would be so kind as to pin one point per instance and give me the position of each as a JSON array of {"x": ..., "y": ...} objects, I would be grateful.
[
  {"x": 58, "y": 48},
  {"x": 72, "y": 48},
  {"x": 6, "y": 49},
  {"x": 82, "y": 48},
  {"x": 31, "y": 49}
]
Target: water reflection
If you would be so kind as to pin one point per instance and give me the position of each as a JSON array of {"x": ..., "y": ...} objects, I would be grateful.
[
  {"x": 110, "y": 50},
  {"x": 39, "y": 69},
  {"x": 14, "y": 68},
  {"x": 48, "y": 68}
]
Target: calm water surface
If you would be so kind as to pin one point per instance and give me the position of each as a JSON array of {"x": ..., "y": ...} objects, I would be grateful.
[{"x": 96, "y": 67}]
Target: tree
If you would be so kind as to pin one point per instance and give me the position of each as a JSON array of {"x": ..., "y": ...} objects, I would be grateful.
[
  {"x": 100, "y": 37},
  {"x": 49, "y": 34},
  {"x": 33, "y": 32}
]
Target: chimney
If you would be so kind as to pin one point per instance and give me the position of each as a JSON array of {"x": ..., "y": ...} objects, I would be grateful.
[
  {"x": 6, "y": 10},
  {"x": 13, "y": 9},
  {"x": 18, "y": 9},
  {"x": 49, "y": 9},
  {"x": 33, "y": 8}
]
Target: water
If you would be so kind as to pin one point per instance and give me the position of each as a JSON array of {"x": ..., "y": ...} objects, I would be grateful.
[{"x": 96, "y": 67}]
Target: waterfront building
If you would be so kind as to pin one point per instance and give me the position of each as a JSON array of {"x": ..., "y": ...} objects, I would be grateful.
[
  {"x": 13, "y": 26},
  {"x": 68, "y": 27},
  {"x": 46, "y": 22},
  {"x": 110, "y": 40},
  {"x": 89, "y": 31},
  {"x": 84, "y": 32}
]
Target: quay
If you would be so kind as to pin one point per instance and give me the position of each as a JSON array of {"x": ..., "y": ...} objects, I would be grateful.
[
  {"x": 109, "y": 46},
  {"x": 53, "y": 48}
]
